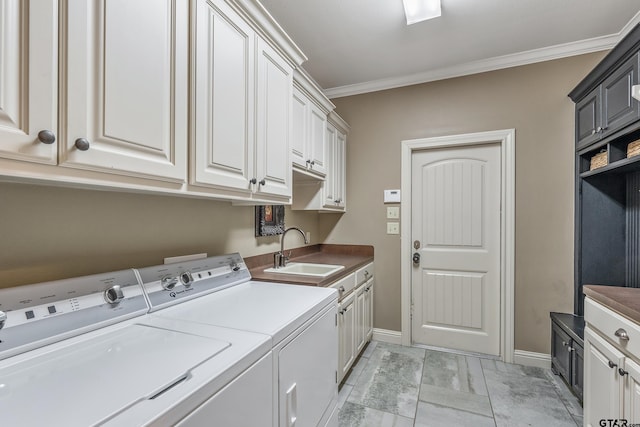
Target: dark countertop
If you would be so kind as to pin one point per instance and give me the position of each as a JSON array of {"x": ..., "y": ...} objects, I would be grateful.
[
  {"x": 351, "y": 256},
  {"x": 571, "y": 323},
  {"x": 625, "y": 301}
]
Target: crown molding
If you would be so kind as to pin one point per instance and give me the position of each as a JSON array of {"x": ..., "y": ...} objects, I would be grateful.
[{"x": 595, "y": 44}]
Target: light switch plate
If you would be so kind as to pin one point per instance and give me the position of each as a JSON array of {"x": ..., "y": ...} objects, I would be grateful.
[
  {"x": 393, "y": 228},
  {"x": 393, "y": 212},
  {"x": 392, "y": 196}
]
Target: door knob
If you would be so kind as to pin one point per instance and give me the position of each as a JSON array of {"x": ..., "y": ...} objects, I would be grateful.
[
  {"x": 416, "y": 258},
  {"x": 46, "y": 137},
  {"x": 82, "y": 144}
]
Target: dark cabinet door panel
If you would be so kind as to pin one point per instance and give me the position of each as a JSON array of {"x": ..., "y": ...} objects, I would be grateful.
[
  {"x": 618, "y": 107},
  {"x": 560, "y": 354},
  {"x": 588, "y": 119}
]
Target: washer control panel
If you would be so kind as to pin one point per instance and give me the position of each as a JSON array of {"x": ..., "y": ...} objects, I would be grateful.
[
  {"x": 43, "y": 313},
  {"x": 169, "y": 284}
]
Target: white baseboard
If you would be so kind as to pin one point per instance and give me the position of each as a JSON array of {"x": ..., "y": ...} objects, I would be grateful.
[
  {"x": 388, "y": 336},
  {"x": 529, "y": 358}
]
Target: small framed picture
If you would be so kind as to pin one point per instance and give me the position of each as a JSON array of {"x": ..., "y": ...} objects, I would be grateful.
[{"x": 269, "y": 220}]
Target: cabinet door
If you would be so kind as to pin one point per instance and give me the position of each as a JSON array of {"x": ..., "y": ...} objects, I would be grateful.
[
  {"x": 577, "y": 369},
  {"x": 224, "y": 97},
  {"x": 299, "y": 128},
  {"x": 328, "y": 187},
  {"x": 360, "y": 319},
  {"x": 368, "y": 310},
  {"x": 602, "y": 386},
  {"x": 619, "y": 108},
  {"x": 588, "y": 119},
  {"x": 317, "y": 127},
  {"x": 632, "y": 392},
  {"x": 560, "y": 354},
  {"x": 307, "y": 373},
  {"x": 340, "y": 171},
  {"x": 274, "y": 86},
  {"x": 124, "y": 87},
  {"x": 346, "y": 325},
  {"x": 28, "y": 79}
]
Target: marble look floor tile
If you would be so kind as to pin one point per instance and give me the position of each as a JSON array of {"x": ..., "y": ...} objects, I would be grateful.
[
  {"x": 454, "y": 372},
  {"x": 570, "y": 401},
  {"x": 352, "y": 415},
  {"x": 370, "y": 347},
  {"x": 510, "y": 368},
  {"x": 521, "y": 400},
  {"x": 461, "y": 400},
  {"x": 390, "y": 382},
  {"x": 429, "y": 415},
  {"x": 343, "y": 394}
]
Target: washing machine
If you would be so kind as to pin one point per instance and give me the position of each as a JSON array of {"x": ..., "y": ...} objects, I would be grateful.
[
  {"x": 301, "y": 321},
  {"x": 84, "y": 352}
]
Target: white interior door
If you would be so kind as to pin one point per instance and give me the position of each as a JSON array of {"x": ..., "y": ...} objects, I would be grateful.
[{"x": 455, "y": 222}]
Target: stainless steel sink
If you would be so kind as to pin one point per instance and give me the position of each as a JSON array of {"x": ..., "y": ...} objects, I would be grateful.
[{"x": 306, "y": 269}]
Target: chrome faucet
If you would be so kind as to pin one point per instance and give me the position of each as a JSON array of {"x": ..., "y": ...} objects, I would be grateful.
[{"x": 279, "y": 258}]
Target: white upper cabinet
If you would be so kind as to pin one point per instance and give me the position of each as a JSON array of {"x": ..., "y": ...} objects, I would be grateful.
[
  {"x": 125, "y": 87},
  {"x": 308, "y": 125},
  {"x": 224, "y": 67},
  {"x": 28, "y": 80},
  {"x": 334, "y": 188},
  {"x": 242, "y": 107},
  {"x": 273, "y": 87}
]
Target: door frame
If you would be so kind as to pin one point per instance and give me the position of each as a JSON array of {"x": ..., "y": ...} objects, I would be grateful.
[{"x": 507, "y": 140}]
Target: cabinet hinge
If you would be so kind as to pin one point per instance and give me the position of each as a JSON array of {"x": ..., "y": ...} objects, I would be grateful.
[
  {"x": 336, "y": 317},
  {"x": 336, "y": 377}
]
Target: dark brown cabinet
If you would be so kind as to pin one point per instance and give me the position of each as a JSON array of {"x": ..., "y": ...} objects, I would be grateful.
[
  {"x": 567, "y": 349},
  {"x": 607, "y": 210},
  {"x": 609, "y": 107}
]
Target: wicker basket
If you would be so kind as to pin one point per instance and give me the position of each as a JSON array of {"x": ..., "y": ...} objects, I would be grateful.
[
  {"x": 599, "y": 160},
  {"x": 633, "y": 149}
]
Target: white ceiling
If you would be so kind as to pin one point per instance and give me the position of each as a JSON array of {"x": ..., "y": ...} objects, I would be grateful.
[{"x": 357, "y": 46}]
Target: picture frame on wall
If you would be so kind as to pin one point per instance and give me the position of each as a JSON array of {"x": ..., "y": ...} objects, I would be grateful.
[{"x": 269, "y": 220}]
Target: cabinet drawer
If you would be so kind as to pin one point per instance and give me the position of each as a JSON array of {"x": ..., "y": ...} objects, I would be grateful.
[
  {"x": 607, "y": 322},
  {"x": 364, "y": 274},
  {"x": 345, "y": 285}
]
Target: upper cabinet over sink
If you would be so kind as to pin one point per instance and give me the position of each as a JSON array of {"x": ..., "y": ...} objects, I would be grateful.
[{"x": 309, "y": 121}]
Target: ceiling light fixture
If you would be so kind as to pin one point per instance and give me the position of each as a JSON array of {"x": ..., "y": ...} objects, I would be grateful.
[{"x": 421, "y": 10}]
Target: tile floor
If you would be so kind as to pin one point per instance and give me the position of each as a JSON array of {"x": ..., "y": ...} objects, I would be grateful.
[{"x": 395, "y": 386}]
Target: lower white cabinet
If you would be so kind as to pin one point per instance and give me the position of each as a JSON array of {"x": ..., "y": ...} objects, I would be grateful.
[
  {"x": 355, "y": 317},
  {"x": 612, "y": 372}
]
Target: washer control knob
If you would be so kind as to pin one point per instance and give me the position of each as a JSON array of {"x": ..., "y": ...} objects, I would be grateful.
[
  {"x": 113, "y": 295},
  {"x": 168, "y": 282},
  {"x": 3, "y": 319},
  {"x": 186, "y": 279}
]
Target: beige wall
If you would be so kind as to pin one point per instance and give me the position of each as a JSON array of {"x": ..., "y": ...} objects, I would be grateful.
[
  {"x": 49, "y": 233},
  {"x": 533, "y": 100}
]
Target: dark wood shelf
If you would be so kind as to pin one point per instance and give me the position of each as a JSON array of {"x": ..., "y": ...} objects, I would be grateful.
[{"x": 630, "y": 164}]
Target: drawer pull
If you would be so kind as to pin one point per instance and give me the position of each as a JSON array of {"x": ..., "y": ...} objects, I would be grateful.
[
  {"x": 622, "y": 372},
  {"x": 622, "y": 334},
  {"x": 612, "y": 365},
  {"x": 341, "y": 289}
]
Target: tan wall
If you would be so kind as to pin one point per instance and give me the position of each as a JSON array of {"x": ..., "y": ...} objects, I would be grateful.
[
  {"x": 533, "y": 100},
  {"x": 49, "y": 233}
]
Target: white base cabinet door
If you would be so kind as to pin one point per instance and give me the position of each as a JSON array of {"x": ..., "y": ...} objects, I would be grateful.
[
  {"x": 125, "y": 87},
  {"x": 632, "y": 392},
  {"x": 346, "y": 327},
  {"x": 368, "y": 311},
  {"x": 603, "y": 388},
  {"x": 29, "y": 80}
]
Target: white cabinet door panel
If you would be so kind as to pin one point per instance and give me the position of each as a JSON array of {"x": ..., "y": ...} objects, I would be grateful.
[
  {"x": 28, "y": 78},
  {"x": 317, "y": 126},
  {"x": 125, "y": 87},
  {"x": 274, "y": 86},
  {"x": 224, "y": 82},
  {"x": 299, "y": 128}
]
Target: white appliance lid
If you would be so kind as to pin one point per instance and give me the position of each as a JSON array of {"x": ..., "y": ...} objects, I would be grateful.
[
  {"x": 90, "y": 381},
  {"x": 274, "y": 309}
]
